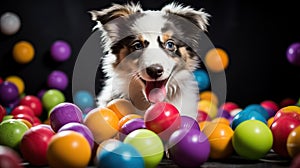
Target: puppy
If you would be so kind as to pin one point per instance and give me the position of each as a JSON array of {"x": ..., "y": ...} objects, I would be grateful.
[{"x": 150, "y": 55}]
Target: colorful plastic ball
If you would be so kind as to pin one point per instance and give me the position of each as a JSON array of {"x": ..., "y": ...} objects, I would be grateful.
[
  {"x": 293, "y": 53},
  {"x": 34, "y": 103},
  {"x": 292, "y": 111},
  {"x": 102, "y": 122},
  {"x": 2, "y": 113},
  {"x": 68, "y": 149},
  {"x": 219, "y": 136},
  {"x": 235, "y": 111},
  {"x": 257, "y": 108},
  {"x": 80, "y": 128},
  {"x": 202, "y": 116},
  {"x": 84, "y": 99},
  {"x": 126, "y": 118},
  {"x": 9, "y": 158},
  {"x": 270, "y": 106},
  {"x": 58, "y": 80},
  {"x": 60, "y": 51},
  {"x": 148, "y": 144},
  {"x": 270, "y": 122},
  {"x": 52, "y": 98},
  {"x": 162, "y": 118},
  {"x": 9, "y": 23},
  {"x": 8, "y": 92},
  {"x": 210, "y": 96},
  {"x": 208, "y": 107},
  {"x": 34, "y": 145},
  {"x": 246, "y": 115},
  {"x": 188, "y": 122},
  {"x": 293, "y": 143},
  {"x": 202, "y": 78},
  {"x": 121, "y": 107},
  {"x": 123, "y": 155},
  {"x": 41, "y": 93},
  {"x": 25, "y": 117},
  {"x": 21, "y": 109},
  {"x": 11, "y": 132},
  {"x": 252, "y": 139},
  {"x": 216, "y": 59},
  {"x": 281, "y": 128},
  {"x": 131, "y": 125},
  {"x": 228, "y": 106},
  {"x": 18, "y": 82},
  {"x": 23, "y": 52},
  {"x": 189, "y": 148},
  {"x": 64, "y": 113}
]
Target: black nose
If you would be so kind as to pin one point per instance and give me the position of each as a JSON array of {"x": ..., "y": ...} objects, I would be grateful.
[{"x": 155, "y": 71}]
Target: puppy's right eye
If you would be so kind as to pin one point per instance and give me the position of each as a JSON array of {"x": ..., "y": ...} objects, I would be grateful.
[{"x": 138, "y": 45}]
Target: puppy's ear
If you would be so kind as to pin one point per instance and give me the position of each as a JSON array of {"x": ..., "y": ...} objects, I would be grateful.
[
  {"x": 114, "y": 12},
  {"x": 198, "y": 17}
]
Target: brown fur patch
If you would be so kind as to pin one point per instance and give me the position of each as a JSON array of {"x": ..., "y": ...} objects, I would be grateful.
[
  {"x": 166, "y": 36},
  {"x": 121, "y": 55}
]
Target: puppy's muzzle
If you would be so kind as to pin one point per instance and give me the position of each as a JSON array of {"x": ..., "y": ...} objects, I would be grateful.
[{"x": 155, "y": 71}]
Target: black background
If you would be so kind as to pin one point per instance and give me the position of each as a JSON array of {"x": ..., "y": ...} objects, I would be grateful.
[{"x": 256, "y": 35}]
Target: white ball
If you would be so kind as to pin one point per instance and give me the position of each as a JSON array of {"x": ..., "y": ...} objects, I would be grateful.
[{"x": 9, "y": 23}]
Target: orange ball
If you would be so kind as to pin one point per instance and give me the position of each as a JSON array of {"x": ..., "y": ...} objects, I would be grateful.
[
  {"x": 23, "y": 52},
  {"x": 216, "y": 59},
  {"x": 121, "y": 107},
  {"x": 102, "y": 122},
  {"x": 68, "y": 149},
  {"x": 210, "y": 96},
  {"x": 219, "y": 136},
  {"x": 203, "y": 124},
  {"x": 293, "y": 143},
  {"x": 126, "y": 118},
  {"x": 270, "y": 121}
]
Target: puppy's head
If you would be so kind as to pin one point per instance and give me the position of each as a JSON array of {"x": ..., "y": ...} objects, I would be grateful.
[{"x": 152, "y": 46}]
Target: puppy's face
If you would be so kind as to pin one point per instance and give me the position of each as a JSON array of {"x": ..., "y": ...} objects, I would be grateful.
[{"x": 152, "y": 46}]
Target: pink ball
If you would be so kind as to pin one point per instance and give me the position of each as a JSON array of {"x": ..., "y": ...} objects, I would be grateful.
[
  {"x": 58, "y": 80},
  {"x": 9, "y": 157},
  {"x": 34, "y": 145}
]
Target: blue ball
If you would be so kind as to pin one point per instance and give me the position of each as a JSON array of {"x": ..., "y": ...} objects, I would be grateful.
[
  {"x": 123, "y": 155},
  {"x": 201, "y": 76},
  {"x": 84, "y": 99},
  {"x": 245, "y": 115},
  {"x": 258, "y": 108}
]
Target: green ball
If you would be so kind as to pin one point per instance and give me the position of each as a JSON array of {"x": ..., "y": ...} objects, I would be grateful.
[
  {"x": 148, "y": 144},
  {"x": 11, "y": 133},
  {"x": 252, "y": 139},
  {"x": 51, "y": 98}
]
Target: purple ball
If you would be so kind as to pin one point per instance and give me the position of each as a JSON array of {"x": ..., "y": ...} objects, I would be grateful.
[
  {"x": 189, "y": 123},
  {"x": 8, "y": 92},
  {"x": 223, "y": 113},
  {"x": 293, "y": 53},
  {"x": 64, "y": 113},
  {"x": 131, "y": 125},
  {"x": 60, "y": 51},
  {"x": 40, "y": 94},
  {"x": 189, "y": 147},
  {"x": 57, "y": 80},
  {"x": 80, "y": 128}
]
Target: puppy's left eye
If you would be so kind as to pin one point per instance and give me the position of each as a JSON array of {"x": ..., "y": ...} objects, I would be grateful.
[
  {"x": 170, "y": 45},
  {"x": 138, "y": 45}
]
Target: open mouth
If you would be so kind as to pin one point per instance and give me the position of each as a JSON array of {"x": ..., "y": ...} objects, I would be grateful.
[{"x": 155, "y": 90}]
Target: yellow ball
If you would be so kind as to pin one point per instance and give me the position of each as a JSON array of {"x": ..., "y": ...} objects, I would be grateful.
[
  {"x": 210, "y": 96},
  {"x": 208, "y": 107},
  {"x": 18, "y": 82},
  {"x": 23, "y": 52},
  {"x": 216, "y": 59},
  {"x": 68, "y": 149}
]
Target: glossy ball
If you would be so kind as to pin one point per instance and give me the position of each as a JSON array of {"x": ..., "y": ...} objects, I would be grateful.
[
  {"x": 252, "y": 139},
  {"x": 163, "y": 119},
  {"x": 18, "y": 82},
  {"x": 257, "y": 108},
  {"x": 210, "y": 96},
  {"x": 8, "y": 92},
  {"x": 281, "y": 128},
  {"x": 219, "y": 136},
  {"x": 58, "y": 80},
  {"x": 228, "y": 106},
  {"x": 11, "y": 132},
  {"x": 292, "y": 111},
  {"x": 34, "y": 103},
  {"x": 293, "y": 53},
  {"x": 293, "y": 143},
  {"x": 64, "y": 113},
  {"x": 102, "y": 122},
  {"x": 216, "y": 59},
  {"x": 52, "y": 98},
  {"x": 202, "y": 78},
  {"x": 84, "y": 99},
  {"x": 188, "y": 122},
  {"x": 9, "y": 23},
  {"x": 121, "y": 107},
  {"x": 68, "y": 149},
  {"x": 9, "y": 158},
  {"x": 80, "y": 128},
  {"x": 148, "y": 144},
  {"x": 207, "y": 106},
  {"x": 23, "y": 52},
  {"x": 22, "y": 109},
  {"x": 189, "y": 148},
  {"x": 34, "y": 145},
  {"x": 246, "y": 115},
  {"x": 123, "y": 155},
  {"x": 270, "y": 106},
  {"x": 60, "y": 51},
  {"x": 126, "y": 118},
  {"x": 130, "y": 126},
  {"x": 202, "y": 116}
]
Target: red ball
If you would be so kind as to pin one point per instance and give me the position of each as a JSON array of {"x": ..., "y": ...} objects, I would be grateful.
[
  {"x": 34, "y": 103},
  {"x": 2, "y": 113},
  {"x": 229, "y": 106},
  {"x": 269, "y": 104},
  {"x": 36, "y": 121},
  {"x": 202, "y": 116},
  {"x": 281, "y": 129},
  {"x": 9, "y": 158},
  {"x": 25, "y": 117},
  {"x": 162, "y": 118},
  {"x": 21, "y": 109},
  {"x": 292, "y": 111},
  {"x": 34, "y": 145}
]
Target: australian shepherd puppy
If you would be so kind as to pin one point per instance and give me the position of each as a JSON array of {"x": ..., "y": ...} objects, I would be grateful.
[{"x": 150, "y": 55}]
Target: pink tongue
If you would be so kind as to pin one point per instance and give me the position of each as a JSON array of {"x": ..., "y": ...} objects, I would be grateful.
[{"x": 155, "y": 91}]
